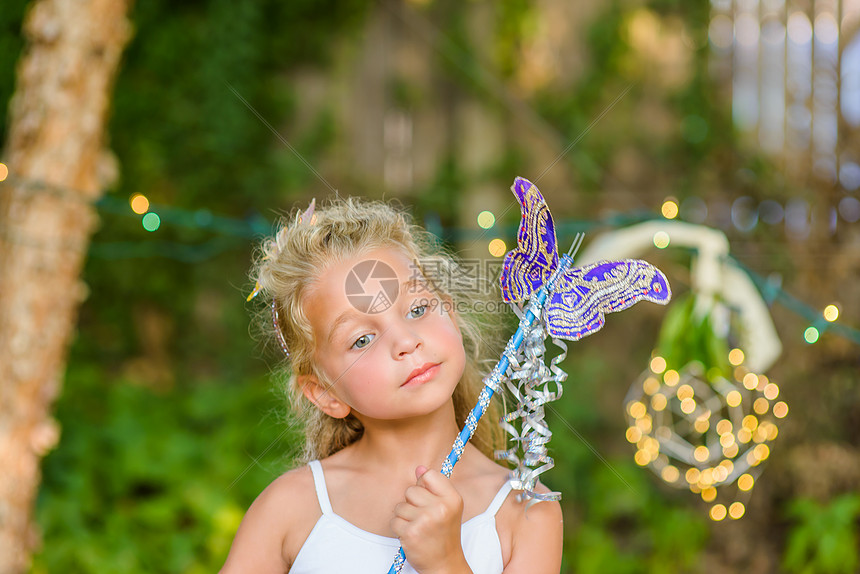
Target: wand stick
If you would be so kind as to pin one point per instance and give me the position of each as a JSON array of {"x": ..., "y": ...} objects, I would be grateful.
[{"x": 492, "y": 381}]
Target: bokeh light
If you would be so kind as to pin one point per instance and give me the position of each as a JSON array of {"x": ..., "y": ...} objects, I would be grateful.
[
  {"x": 497, "y": 248},
  {"x": 669, "y": 209},
  {"x": 486, "y": 219},
  {"x": 139, "y": 203},
  {"x": 718, "y": 512},
  {"x": 151, "y": 221},
  {"x": 736, "y": 357},
  {"x": 4, "y": 171},
  {"x": 811, "y": 335},
  {"x": 831, "y": 313},
  {"x": 661, "y": 240}
]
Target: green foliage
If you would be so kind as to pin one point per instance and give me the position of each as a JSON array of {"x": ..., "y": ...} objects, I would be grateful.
[
  {"x": 825, "y": 537},
  {"x": 148, "y": 482},
  {"x": 687, "y": 336}
]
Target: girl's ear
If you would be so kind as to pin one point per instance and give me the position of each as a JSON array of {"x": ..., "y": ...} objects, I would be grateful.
[{"x": 322, "y": 397}]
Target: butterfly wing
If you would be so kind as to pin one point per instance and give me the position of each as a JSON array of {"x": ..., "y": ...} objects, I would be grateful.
[
  {"x": 584, "y": 294},
  {"x": 535, "y": 257}
]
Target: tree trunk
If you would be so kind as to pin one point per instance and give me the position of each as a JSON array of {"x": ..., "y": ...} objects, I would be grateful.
[{"x": 56, "y": 159}]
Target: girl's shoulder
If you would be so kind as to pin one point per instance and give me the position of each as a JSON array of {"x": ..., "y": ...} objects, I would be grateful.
[{"x": 276, "y": 524}]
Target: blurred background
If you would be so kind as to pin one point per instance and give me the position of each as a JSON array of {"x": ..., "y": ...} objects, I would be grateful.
[{"x": 739, "y": 116}]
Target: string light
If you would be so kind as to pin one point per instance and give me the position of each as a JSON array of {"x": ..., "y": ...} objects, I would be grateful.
[
  {"x": 713, "y": 431},
  {"x": 811, "y": 335},
  {"x": 139, "y": 203},
  {"x": 151, "y": 221},
  {"x": 831, "y": 313},
  {"x": 669, "y": 209},
  {"x": 661, "y": 240},
  {"x": 497, "y": 248},
  {"x": 486, "y": 219}
]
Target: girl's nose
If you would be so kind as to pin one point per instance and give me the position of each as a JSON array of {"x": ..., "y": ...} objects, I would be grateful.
[{"x": 406, "y": 340}]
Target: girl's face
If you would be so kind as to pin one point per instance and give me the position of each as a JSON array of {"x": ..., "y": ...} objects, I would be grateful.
[{"x": 386, "y": 343}]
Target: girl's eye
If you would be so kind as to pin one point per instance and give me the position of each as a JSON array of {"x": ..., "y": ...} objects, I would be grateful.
[
  {"x": 362, "y": 342},
  {"x": 418, "y": 311}
]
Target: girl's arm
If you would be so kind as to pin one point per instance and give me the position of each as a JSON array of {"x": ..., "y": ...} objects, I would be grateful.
[
  {"x": 537, "y": 539},
  {"x": 259, "y": 545}
]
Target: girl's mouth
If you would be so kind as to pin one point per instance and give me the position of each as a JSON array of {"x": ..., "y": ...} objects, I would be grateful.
[{"x": 421, "y": 375}]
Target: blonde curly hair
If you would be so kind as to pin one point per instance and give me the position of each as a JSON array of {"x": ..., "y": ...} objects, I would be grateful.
[{"x": 288, "y": 263}]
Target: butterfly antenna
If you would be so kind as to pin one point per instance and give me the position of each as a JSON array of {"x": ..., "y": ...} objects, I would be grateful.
[{"x": 577, "y": 243}]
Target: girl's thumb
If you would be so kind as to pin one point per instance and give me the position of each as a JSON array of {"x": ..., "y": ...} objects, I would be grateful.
[{"x": 420, "y": 470}]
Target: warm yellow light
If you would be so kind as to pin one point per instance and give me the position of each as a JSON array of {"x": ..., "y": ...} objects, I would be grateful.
[
  {"x": 4, "y": 171},
  {"x": 139, "y": 203},
  {"x": 701, "y": 453},
  {"x": 671, "y": 377},
  {"x": 651, "y": 386},
  {"x": 685, "y": 392},
  {"x": 736, "y": 357},
  {"x": 709, "y": 494},
  {"x": 746, "y": 482},
  {"x": 733, "y": 399},
  {"x": 731, "y": 451},
  {"x": 761, "y": 451},
  {"x": 658, "y": 402},
  {"x": 780, "y": 409},
  {"x": 670, "y": 473},
  {"x": 688, "y": 406},
  {"x": 486, "y": 219},
  {"x": 644, "y": 424},
  {"x": 772, "y": 431},
  {"x": 831, "y": 312},
  {"x": 692, "y": 475},
  {"x": 750, "y": 422},
  {"x": 636, "y": 409},
  {"x": 661, "y": 240},
  {"x": 736, "y": 510},
  {"x": 761, "y": 405},
  {"x": 718, "y": 512},
  {"x": 727, "y": 439},
  {"x": 633, "y": 435},
  {"x": 701, "y": 425},
  {"x": 750, "y": 381},
  {"x": 724, "y": 426},
  {"x": 720, "y": 474},
  {"x": 744, "y": 435},
  {"x": 760, "y": 434},
  {"x": 658, "y": 365},
  {"x": 669, "y": 209},
  {"x": 497, "y": 247},
  {"x": 771, "y": 391},
  {"x": 728, "y": 465},
  {"x": 642, "y": 457}
]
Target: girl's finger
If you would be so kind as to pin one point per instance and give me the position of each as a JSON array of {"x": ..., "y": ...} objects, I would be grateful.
[{"x": 418, "y": 495}]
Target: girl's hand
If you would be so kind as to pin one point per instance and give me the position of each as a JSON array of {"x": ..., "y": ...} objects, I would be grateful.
[{"x": 428, "y": 525}]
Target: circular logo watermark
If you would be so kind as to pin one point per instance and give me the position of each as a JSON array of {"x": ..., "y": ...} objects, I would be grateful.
[{"x": 371, "y": 286}]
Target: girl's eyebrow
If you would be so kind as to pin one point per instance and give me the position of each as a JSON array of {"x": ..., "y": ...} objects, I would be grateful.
[{"x": 345, "y": 317}]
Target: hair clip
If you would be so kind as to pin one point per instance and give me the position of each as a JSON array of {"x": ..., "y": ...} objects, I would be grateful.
[
  {"x": 277, "y": 325},
  {"x": 306, "y": 218}
]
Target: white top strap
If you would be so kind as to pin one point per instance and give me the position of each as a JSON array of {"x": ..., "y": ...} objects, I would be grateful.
[
  {"x": 497, "y": 502},
  {"x": 319, "y": 486}
]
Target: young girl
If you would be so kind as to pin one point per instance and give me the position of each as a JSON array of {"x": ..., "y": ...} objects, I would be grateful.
[{"x": 383, "y": 372}]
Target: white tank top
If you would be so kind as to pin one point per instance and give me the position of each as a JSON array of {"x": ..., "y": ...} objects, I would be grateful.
[{"x": 335, "y": 546}]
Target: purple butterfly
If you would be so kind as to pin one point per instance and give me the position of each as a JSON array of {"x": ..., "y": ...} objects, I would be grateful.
[{"x": 582, "y": 295}]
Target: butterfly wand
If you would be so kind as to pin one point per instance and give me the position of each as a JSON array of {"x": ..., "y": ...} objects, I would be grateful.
[{"x": 578, "y": 298}]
